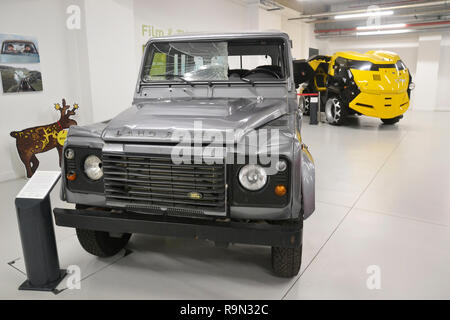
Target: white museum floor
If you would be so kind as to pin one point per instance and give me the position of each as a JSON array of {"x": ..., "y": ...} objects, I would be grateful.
[{"x": 383, "y": 198}]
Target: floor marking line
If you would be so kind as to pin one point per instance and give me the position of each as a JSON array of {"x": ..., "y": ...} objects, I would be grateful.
[
  {"x": 14, "y": 267},
  {"x": 398, "y": 215},
  {"x": 126, "y": 254}
]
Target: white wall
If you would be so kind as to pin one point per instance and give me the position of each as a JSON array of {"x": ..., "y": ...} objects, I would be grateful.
[
  {"x": 112, "y": 59},
  {"x": 44, "y": 19},
  {"x": 174, "y": 16},
  {"x": 443, "y": 93}
]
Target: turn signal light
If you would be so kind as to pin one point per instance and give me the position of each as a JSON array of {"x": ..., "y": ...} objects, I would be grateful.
[
  {"x": 71, "y": 176},
  {"x": 280, "y": 190}
]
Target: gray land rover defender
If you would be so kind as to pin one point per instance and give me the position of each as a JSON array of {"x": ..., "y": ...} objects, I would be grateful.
[{"x": 209, "y": 149}]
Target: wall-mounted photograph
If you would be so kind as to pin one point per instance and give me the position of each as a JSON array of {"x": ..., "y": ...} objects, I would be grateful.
[
  {"x": 21, "y": 78},
  {"x": 18, "y": 49}
]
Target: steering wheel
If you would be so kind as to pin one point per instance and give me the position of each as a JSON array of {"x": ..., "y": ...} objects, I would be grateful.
[{"x": 272, "y": 73}]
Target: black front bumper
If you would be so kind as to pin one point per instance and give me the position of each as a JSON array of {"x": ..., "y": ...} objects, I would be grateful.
[{"x": 284, "y": 235}]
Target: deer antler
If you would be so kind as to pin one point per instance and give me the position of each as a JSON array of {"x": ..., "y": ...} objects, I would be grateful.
[
  {"x": 72, "y": 112},
  {"x": 64, "y": 108}
]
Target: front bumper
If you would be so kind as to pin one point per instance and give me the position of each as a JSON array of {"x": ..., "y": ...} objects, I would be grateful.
[
  {"x": 277, "y": 235},
  {"x": 384, "y": 106}
]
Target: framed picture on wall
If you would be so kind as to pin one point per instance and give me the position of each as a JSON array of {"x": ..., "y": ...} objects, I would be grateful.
[
  {"x": 21, "y": 78},
  {"x": 18, "y": 49}
]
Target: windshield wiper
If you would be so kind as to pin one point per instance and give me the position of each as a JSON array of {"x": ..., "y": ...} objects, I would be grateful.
[{"x": 248, "y": 81}]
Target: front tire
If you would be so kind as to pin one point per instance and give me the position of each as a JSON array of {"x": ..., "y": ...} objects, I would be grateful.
[
  {"x": 286, "y": 262},
  {"x": 335, "y": 111},
  {"x": 100, "y": 243},
  {"x": 391, "y": 121}
]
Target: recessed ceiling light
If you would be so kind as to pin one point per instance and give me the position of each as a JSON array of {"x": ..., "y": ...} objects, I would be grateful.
[
  {"x": 373, "y": 33},
  {"x": 384, "y": 26},
  {"x": 364, "y": 14}
]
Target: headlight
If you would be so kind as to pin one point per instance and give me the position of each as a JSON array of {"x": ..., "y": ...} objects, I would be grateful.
[
  {"x": 252, "y": 177},
  {"x": 93, "y": 167},
  {"x": 281, "y": 166},
  {"x": 69, "y": 153},
  {"x": 412, "y": 85}
]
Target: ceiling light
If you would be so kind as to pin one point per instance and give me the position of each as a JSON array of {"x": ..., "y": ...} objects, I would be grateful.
[
  {"x": 364, "y": 14},
  {"x": 384, "y": 26},
  {"x": 373, "y": 33}
]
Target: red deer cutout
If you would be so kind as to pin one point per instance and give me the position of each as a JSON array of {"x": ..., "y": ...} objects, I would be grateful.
[{"x": 41, "y": 139}]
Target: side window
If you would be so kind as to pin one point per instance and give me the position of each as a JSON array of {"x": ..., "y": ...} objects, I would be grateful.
[
  {"x": 249, "y": 62},
  {"x": 340, "y": 62}
]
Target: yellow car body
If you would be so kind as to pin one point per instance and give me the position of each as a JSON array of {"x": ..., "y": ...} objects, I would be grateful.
[
  {"x": 375, "y": 83},
  {"x": 383, "y": 92}
]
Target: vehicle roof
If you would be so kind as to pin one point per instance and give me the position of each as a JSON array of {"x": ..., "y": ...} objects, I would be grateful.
[
  {"x": 221, "y": 36},
  {"x": 374, "y": 56}
]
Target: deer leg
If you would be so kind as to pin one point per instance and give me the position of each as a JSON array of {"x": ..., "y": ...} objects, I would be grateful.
[
  {"x": 26, "y": 161},
  {"x": 35, "y": 162},
  {"x": 60, "y": 148}
]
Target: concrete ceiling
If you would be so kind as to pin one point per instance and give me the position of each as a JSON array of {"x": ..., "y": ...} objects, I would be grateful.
[{"x": 416, "y": 15}]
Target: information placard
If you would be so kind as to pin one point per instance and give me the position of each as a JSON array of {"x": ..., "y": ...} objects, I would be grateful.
[{"x": 40, "y": 184}]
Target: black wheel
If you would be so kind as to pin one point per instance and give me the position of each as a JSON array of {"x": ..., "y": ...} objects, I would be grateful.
[
  {"x": 100, "y": 243},
  {"x": 335, "y": 111},
  {"x": 286, "y": 262},
  {"x": 391, "y": 121}
]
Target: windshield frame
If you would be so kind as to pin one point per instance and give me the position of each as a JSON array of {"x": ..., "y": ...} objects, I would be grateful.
[{"x": 285, "y": 55}]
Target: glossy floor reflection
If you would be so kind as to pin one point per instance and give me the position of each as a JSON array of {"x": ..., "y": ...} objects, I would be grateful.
[{"x": 381, "y": 201}]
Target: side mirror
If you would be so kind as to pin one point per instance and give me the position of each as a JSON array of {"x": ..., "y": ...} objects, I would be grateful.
[{"x": 302, "y": 72}]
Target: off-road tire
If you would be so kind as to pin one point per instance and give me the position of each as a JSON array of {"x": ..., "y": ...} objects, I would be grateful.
[
  {"x": 286, "y": 262},
  {"x": 335, "y": 111},
  {"x": 100, "y": 243},
  {"x": 391, "y": 121}
]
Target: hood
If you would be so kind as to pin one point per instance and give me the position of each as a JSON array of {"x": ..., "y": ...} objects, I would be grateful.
[
  {"x": 164, "y": 120},
  {"x": 383, "y": 81}
]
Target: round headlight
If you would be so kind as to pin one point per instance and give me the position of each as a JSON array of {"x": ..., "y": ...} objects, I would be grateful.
[
  {"x": 69, "y": 153},
  {"x": 412, "y": 85},
  {"x": 252, "y": 177},
  {"x": 281, "y": 166},
  {"x": 93, "y": 167}
]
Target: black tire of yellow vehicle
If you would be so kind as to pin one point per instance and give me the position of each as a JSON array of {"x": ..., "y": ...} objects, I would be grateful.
[
  {"x": 391, "y": 121},
  {"x": 100, "y": 243},
  {"x": 335, "y": 111},
  {"x": 286, "y": 262}
]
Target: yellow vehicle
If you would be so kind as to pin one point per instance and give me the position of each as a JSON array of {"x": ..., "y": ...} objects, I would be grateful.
[{"x": 375, "y": 84}]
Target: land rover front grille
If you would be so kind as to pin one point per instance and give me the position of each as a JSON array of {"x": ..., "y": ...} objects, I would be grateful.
[{"x": 154, "y": 181}]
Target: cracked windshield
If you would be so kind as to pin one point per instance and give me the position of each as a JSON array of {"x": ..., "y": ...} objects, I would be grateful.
[{"x": 215, "y": 61}]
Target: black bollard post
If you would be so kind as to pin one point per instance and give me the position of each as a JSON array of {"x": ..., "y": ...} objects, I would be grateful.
[
  {"x": 313, "y": 110},
  {"x": 34, "y": 216}
]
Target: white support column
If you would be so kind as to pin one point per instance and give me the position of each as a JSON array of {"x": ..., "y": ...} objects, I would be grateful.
[
  {"x": 252, "y": 15},
  {"x": 424, "y": 97}
]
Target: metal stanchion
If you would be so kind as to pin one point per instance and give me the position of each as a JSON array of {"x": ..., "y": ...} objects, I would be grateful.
[
  {"x": 313, "y": 109},
  {"x": 34, "y": 216},
  {"x": 319, "y": 111}
]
